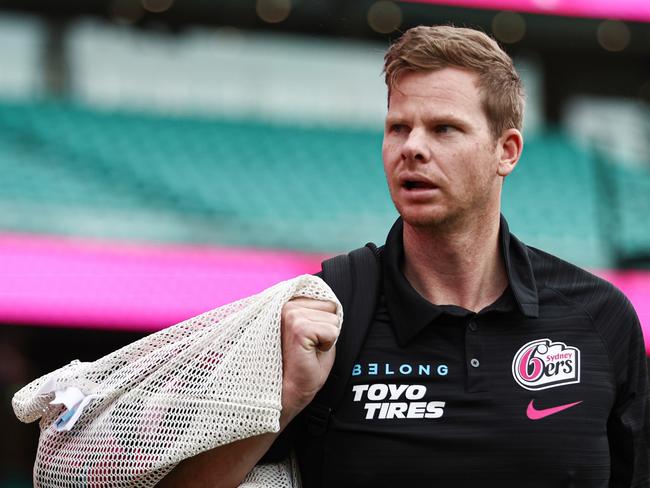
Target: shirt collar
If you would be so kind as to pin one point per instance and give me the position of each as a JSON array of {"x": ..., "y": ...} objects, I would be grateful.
[{"x": 411, "y": 312}]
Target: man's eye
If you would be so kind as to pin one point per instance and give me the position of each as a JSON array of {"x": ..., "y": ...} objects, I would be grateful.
[
  {"x": 443, "y": 128},
  {"x": 397, "y": 128}
]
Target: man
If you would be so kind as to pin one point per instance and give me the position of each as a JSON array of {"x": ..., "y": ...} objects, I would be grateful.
[{"x": 487, "y": 361}]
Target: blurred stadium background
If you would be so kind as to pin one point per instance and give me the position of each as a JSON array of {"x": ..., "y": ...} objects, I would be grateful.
[{"x": 159, "y": 158}]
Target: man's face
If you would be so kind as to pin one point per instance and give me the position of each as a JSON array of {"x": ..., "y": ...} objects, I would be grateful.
[{"x": 440, "y": 157}]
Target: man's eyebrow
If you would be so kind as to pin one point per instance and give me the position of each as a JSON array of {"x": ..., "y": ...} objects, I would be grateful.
[
  {"x": 394, "y": 119},
  {"x": 438, "y": 119}
]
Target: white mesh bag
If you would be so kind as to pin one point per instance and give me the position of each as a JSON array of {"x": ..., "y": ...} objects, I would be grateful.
[
  {"x": 132, "y": 415},
  {"x": 281, "y": 475}
]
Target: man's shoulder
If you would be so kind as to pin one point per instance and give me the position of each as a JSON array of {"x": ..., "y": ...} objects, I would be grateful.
[
  {"x": 376, "y": 250},
  {"x": 358, "y": 268},
  {"x": 553, "y": 271},
  {"x": 603, "y": 301}
]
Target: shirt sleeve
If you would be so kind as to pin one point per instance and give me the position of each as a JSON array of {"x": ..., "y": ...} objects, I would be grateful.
[{"x": 629, "y": 422}]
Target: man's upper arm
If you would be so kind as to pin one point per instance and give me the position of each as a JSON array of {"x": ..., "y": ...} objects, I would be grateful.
[{"x": 629, "y": 422}]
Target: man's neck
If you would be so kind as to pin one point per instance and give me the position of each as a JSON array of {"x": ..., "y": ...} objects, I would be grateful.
[{"x": 456, "y": 265}]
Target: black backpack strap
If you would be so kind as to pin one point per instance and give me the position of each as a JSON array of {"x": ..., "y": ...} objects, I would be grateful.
[{"x": 355, "y": 279}]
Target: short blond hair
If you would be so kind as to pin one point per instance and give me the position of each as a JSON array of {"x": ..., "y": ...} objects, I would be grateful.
[{"x": 431, "y": 48}]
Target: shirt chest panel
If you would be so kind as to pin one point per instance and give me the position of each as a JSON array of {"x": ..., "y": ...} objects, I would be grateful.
[{"x": 431, "y": 397}]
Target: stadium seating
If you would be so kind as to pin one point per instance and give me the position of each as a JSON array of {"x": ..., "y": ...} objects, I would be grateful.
[
  {"x": 551, "y": 200},
  {"x": 69, "y": 169},
  {"x": 631, "y": 221}
]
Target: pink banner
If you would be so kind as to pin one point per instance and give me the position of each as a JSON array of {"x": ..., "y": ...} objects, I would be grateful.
[
  {"x": 69, "y": 282},
  {"x": 72, "y": 282},
  {"x": 635, "y": 10}
]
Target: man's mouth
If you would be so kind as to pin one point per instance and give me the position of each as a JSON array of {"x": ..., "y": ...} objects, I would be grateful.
[{"x": 414, "y": 185}]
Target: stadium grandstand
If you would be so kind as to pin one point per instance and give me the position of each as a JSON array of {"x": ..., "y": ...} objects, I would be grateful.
[{"x": 162, "y": 158}]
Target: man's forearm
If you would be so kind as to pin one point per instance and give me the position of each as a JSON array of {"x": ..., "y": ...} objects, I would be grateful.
[
  {"x": 224, "y": 466},
  {"x": 309, "y": 330}
]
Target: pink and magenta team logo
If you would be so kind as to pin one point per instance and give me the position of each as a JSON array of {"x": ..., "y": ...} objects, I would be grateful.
[{"x": 542, "y": 364}]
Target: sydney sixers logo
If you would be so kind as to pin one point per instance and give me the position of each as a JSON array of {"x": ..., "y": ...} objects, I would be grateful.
[{"x": 542, "y": 364}]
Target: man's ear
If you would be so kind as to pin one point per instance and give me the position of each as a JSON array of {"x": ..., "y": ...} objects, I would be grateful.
[{"x": 509, "y": 147}]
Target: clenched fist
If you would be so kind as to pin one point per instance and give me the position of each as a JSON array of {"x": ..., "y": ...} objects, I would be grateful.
[{"x": 309, "y": 330}]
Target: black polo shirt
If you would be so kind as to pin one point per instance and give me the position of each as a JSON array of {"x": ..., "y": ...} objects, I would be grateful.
[{"x": 547, "y": 386}]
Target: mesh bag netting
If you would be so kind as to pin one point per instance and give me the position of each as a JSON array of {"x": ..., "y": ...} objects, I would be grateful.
[
  {"x": 274, "y": 475},
  {"x": 208, "y": 381}
]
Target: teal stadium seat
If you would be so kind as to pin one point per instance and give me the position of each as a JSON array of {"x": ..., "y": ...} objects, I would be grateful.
[
  {"x": 552, "y": 203},
  {"x": 630, "y": 228},
  {"x": 74, "y": 170}
]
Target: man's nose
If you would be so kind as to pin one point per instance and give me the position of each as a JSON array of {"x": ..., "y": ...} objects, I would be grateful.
[{"x": 415, "y": 147}]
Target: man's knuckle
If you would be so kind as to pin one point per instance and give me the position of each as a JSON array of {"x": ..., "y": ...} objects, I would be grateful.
[{"x": 293, "y": 315}]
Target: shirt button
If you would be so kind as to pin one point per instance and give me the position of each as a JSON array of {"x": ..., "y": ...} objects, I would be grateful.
[
  {"x": 475, "y": 363},
  {"x": 473, "y": 326}
]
